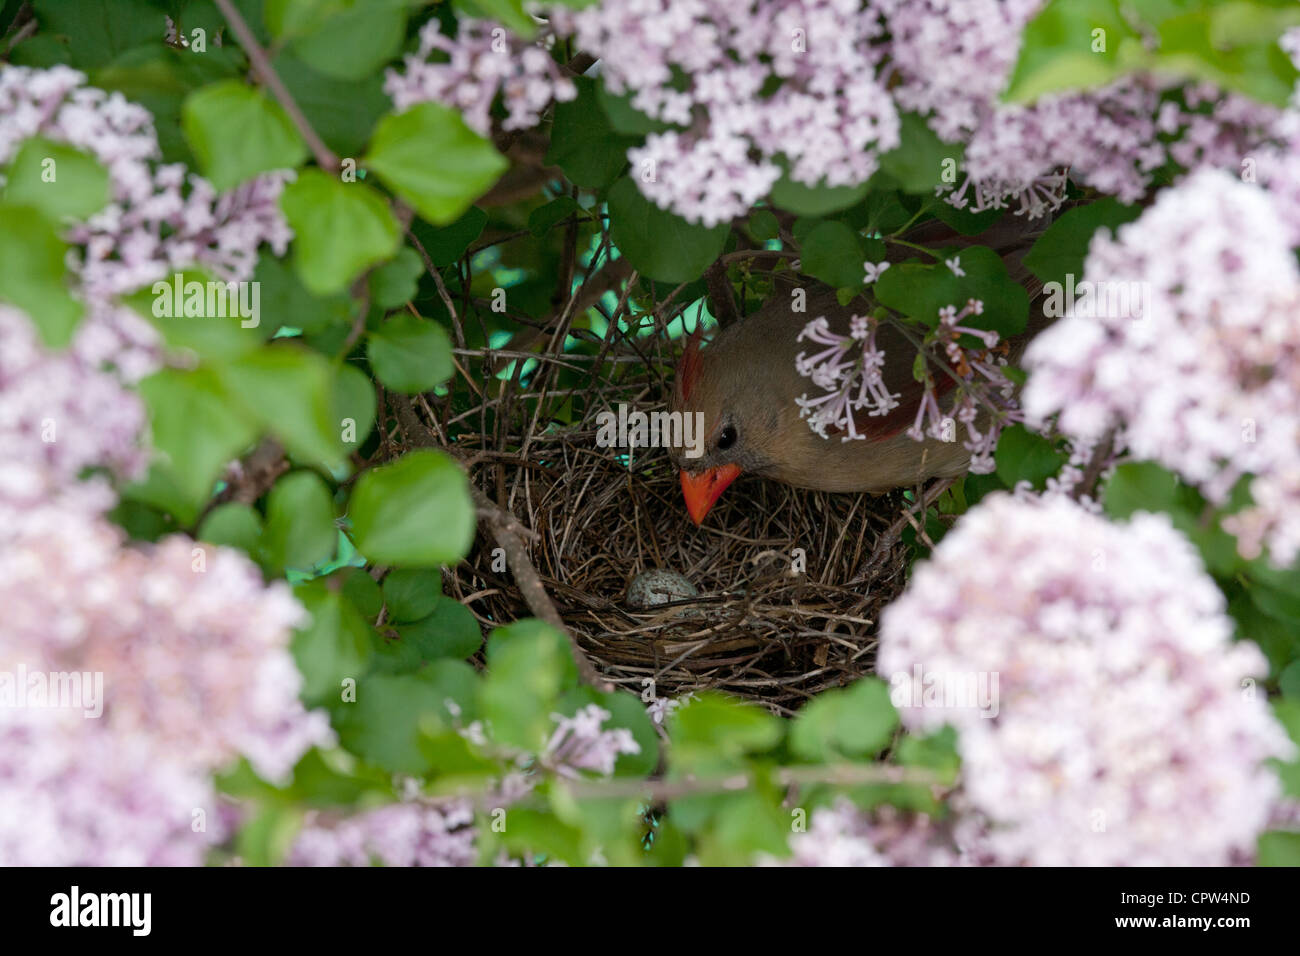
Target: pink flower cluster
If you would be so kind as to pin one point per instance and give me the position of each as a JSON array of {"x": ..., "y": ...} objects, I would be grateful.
[
  {"x": 850, "y": 384},
  {"x": 849, "y": 371},
  {"x": 581, "y": 744},
  {"x": 953, "y": 59},
  {"x": 152, "y": 225},
  {"x": 190, "y": 645},
  {"x": 412, "y": 833},
  {"x": 484, "y": 60},
  {"x": 193, "y": 652},
  {"x": 841, "y": 835},
  {"x": 1206, "y": 380},
  {"x": 1124, "y": 726},
  {"x": 752, "y": 84}
]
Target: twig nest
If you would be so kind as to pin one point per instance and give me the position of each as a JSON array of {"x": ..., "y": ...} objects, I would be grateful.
[{"x": 658, "y": 586}]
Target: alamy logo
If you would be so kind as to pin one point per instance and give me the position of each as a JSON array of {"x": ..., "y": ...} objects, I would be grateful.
[
  {"x": 208, "y": 300},
  {"x": 1096, "y": 300},
  {"x": 103, "y": 909},
  {"x": 651, "y": 430},
  {"x": 83, "y": 690},
  {"x": 951, "y": 690}
]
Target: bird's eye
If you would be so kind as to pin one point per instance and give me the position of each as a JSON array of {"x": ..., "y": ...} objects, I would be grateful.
[{"x": 727, "y": 437}]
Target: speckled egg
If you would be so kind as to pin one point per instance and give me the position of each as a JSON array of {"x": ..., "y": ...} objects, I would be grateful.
[{"x": 658, "y": 586}]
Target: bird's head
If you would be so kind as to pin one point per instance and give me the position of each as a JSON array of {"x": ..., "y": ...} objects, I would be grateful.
[{"x": 731, "y": 423}]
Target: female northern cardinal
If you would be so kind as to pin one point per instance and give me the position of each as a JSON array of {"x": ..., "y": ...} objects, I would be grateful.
[{"x": 745, "y": 384}]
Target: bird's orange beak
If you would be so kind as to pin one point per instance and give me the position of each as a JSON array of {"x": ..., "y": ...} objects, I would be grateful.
[{"x": 703, "y": 490}]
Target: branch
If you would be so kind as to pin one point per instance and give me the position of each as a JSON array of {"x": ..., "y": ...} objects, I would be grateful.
[
  {"x": 325, "y": 157},
  {"x": 1101, "y": 456},
  {"x": 722, "y": 302}
]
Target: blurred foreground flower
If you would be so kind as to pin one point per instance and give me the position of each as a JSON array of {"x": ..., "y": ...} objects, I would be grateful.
[
  {"x": 1124, "y": 727},
  {"x": 1205, "y": 379}
]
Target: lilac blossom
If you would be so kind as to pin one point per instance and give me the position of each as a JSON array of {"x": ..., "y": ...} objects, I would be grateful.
[
  {"x": 416, "y": 832},
  {"x": 59, "y": 413},
  {"x": 1126, "y": 727},
  {"x": 842, "y": 835},
  {"x": 952, "y": 60},
  {"x": 1206, "y": 381},
  {"x": 159, "y": 219},
  {"x": 850, "y": 384},
  {"x": 579, "y": 743},
  {"x": 849, "y": 371},
  {"x": 74, "y": 792},
  {"x": 828, "y": 118},
  {"x": 468, "y": 72}
]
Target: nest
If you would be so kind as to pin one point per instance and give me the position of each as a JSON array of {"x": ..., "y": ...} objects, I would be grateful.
[{"x": 765, "y": 625}]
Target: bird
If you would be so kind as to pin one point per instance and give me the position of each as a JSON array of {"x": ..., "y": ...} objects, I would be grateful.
[{"x": 744, "y": 383}]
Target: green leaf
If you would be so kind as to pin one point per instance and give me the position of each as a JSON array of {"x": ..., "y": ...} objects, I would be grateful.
[
  {"x": 62, "y": 182},
  {"x": 354, "y": 406},
  {"x": 197, "y": 313},
  {"x": 1140, "y": 486},
  {"x": 332, "y": 647},
  {"x": 920, "y": 290},
  {"x": 197, "y": 428},
  {"x": 834, "y": 253},
  {"x": 361, "y": 589},
  {"x": 922, "y": 161},
  {"x": 416, "y": 512},
  {"x": 285, "y": 302},
  {"x": 1023, "y": 455},
  {"x": 1057, "y": 49},
  {"x": 290, "y": 389},
  {"x": 804, "y": 200},
  {"x": 411, "y": 594},
  {"x": 1279, "y": 848},
  {"x": 534, "y": 833},
  {"x": 1060, "y": 251},
  {"x": 429, "y": 157},
  {"x": 384, "y": 725},
  {"x": 232, "y": 525},
  {"x": 394, "y": 283},
  {"x": 237, "y": 131},
  {"x": 584, "y": 144},
  {"x": 937, "y": 752},
  {"x": 541, "y": 219},
  {"x": 342, "y": 112},
  {"x": 300, "y": 530},
  {"x": 267, "y": 835},
  {"x": 35, "y": 271},
  {"x": 347, "y": 39},
  {"x": 1193, "y": 48},
  {"x": 529, "y": 667},
  {"x": 747, "y": 824},
  {"x": 410, "y": 354},
  {"x": 724, "y": 725},
  {"x": 657, "y": 243},
  {"x": 508, "y": 12},
  {"x": 449, "y": 243},
  {"x": 763, "y": 225},
  {"x": 340, "y": 230},
  {"x": 98, "y": 30},
  {"x": 450, "y": 631},
  {"x": 856, "y": 721}
]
